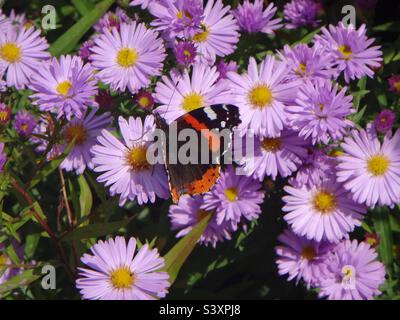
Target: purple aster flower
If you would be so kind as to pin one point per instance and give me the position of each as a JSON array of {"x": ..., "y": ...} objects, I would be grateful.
[
  {"x": 8, "y": 272},
  {"x": 366, "y": 4},
  {"x": 351, "y": 49},
  {"x": 5, "y": 114},
  {"x": 281, "y": 155},
  {"x": 177, "y": 18},
  {"x": 143, "y": 3},
  {"x": 24, "y": 123},
  {"x": 145, "y": 100},
  {"x": 369, "y": 169},
  {"x": 3, "y": 84},
  {"x": 66, "y": 87},
  {"x": 316, "y": 167},
  {"x": 84, "y": 51},
  {"x": 322, "y": 212},
  {"x": 112, "y": 20},
  {"x": 261, "y": 95},
  {"x": 352, "y": 272},
  {"x": 224, "y": 67},
  {"x": 4, "y": 21},
  {"x": 118, "y": 270},
  {"x": 18, "y": 20},
  {"x": 85, "y": 131},
  {"x": 394, "y": 83},
  {"x": 301, "y": 258},
  {"x": 308, "y": 63},
  {"x": 384, "y": 121},
  {"x": 22, "y": 51},
  {"x": 183, "y": 93},
  {"x": 219, "y": 34},
  {"x": 320, "y": 112},
  {"x": 234, "y": 197},
  {"x": 301, "y": 13},
  {"x": 3, "y": 157},
  {"x": 251, "y": 17},
  {"x": 188, "y": 212},
  {"x": 124, "y": 164},
  {"x": 185, "y": 52},
  {"x": 128, "y": 58}
]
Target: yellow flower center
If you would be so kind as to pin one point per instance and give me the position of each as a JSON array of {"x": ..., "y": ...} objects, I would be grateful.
[
  {"x": 397, "y": 86},
  {"x": 127, "y": 57},
  {"x": 10, "y": 52},
  {"x": 24, "y": 127},
  {"x": 378, "y": 165},
  {"x": 187, "y": 53},
  {"x": 192, "y": 102},
  {"x": 308, "y": 253},
  {"x": 260, "y": 96},
  {"x": 345, "y": 51},
  {"x": 202, "y": 36},
  {"x": 76, "y": 131},
  {"x": 231, "y": 194},
  {"x": 324, "y": 202},
  {"x": 144, "y": 101},
  {"x": 336, "y": 153},
  {"x": 137, "y": 158},
  {"x": 3, "y": 260},
  {"x": 271, "y": 144},
  {"x": 63, "y": 88},
  {"x": 122, "y": 278},
  {"x": 4, "y": 115},
  {"x": 348, "y": 272},
  {"x": 301, "y": 69}
]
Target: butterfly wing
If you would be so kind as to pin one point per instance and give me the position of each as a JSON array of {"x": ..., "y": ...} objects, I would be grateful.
[{"x": 200, "y": 177}]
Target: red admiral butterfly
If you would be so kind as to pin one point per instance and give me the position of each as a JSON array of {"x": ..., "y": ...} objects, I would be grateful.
[{"x": 199, "y": 177}]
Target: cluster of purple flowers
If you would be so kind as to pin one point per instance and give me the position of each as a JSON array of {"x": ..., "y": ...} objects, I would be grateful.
[{"x": 292, "y": 103}]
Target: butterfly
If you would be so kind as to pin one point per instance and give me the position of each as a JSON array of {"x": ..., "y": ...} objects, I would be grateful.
[{"x": 199, "y": 177}]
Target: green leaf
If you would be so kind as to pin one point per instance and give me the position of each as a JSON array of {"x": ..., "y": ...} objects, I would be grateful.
[
  {"x": 85, "y": 197},
  {"x": 51, "y": 166},
  {"x": 175, "y": 258},
  {"x": 308, "y": 38},
  {"x": 384, "y": 230},
  {"x": 21, "y": 280},
  {"x": 389, "y": 26},
  {"x": 83, "y": 6},
  {"x": 67, "y": 42},
  {"x": 356, "y": 117},
  {"x": 362, "y": 84},
  {"x": 96, "y": 230}
]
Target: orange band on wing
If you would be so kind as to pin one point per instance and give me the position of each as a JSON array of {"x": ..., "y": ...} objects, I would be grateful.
[
  {"x": 213, "y": 139},
  {"x": 205, "y": 184}
]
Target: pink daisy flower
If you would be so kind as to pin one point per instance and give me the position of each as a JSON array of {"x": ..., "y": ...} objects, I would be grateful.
[
  {"x": 234, "y": 198},
  {"x": 219, "y": 34},
  {"x": 124, "y": 165},
  {"x": 85, "y": 131},
  {"x": 117, "y": 270},
  {"x": 65, "y": 86},
  {"x": 369, "y": 169},
  {"x": 320, "y": 112},
  {"x": 180, "y": 94},
  {"x": 351, "y": 49},
  {"x": 129, "y": 57},
  {"x": 352, "y": 272},
  {"x": 21, "y": 51},
  {"x": 301, "y": 258},
  {"x": 322, "y": 212},
  {"x": 261, "y": 95},
  {"x": 281, "y": 155}
]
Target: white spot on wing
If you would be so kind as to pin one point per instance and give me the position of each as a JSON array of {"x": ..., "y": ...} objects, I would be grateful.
[{"x": 210, "y": 113}]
